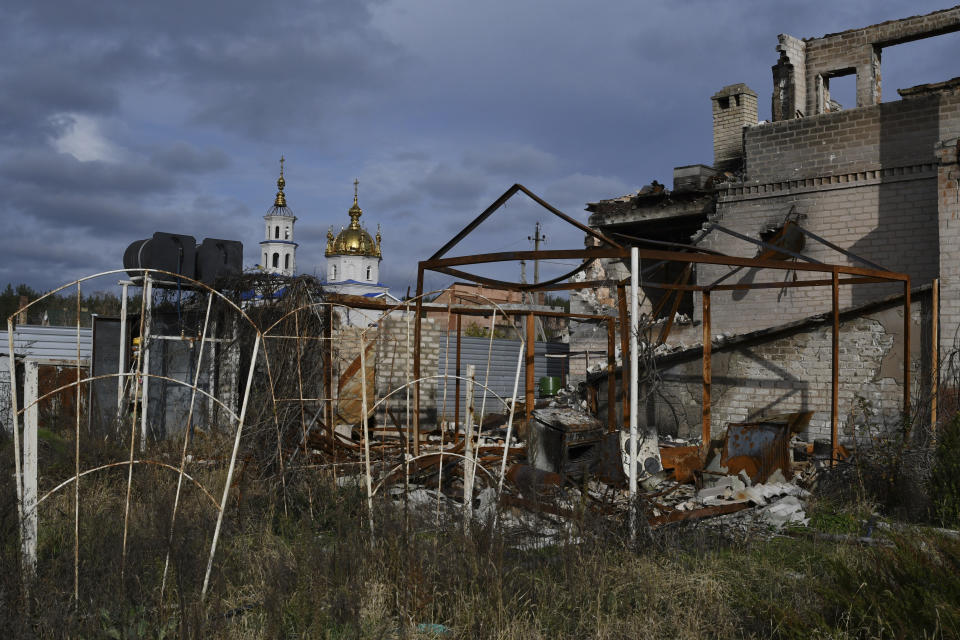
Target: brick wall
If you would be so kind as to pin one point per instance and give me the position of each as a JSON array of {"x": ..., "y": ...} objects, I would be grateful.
[
  {"x": 890, "y": 134},
  {"x": 888, "y": 219},
  {"x": 865, "y": 179},
  {"x": 395, "y": 362},
  {"x": 790, "y": 370},
  {"x": 948, "y": 195}
]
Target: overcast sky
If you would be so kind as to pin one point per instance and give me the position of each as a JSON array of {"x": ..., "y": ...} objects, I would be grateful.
[{"x": 121, "y": 118}]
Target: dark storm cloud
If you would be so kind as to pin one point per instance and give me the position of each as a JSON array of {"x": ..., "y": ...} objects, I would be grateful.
[
  {"x": 61, "y": 173},
  {"x": 248, "y": 67},
  {"x": 120, "y": 118},
  {"x": 451, "y": 186},
  {"x": 182, "y": 156},
  {"x": 516, "y": 161}
]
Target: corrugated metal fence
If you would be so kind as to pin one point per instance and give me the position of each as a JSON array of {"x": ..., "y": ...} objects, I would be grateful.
[
  {"x": 503, "y": 368},
  {"x": 53, "y": 343},
  {"x": 43, "y": 344}
]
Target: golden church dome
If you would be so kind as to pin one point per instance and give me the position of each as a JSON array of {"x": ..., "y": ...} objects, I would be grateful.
[{"x": 354, "y": 240}]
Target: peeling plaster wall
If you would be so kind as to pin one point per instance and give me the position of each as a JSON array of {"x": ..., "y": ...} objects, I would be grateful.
[{"x": 791, "y": 371}]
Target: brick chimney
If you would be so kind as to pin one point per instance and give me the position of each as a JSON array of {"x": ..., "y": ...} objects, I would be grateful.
[{"x": 734, "y": 107}]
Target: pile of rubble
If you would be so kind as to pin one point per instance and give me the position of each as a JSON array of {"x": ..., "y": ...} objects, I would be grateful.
[{"x": 564, "y": 462}]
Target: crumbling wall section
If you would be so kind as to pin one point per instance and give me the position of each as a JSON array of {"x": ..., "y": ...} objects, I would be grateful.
[
  {"x": 789, "y": 79},
  {"x": 858, "y": 51},
  {"x": 790, "y": 370},
  {"x": 588, "y": 349}
]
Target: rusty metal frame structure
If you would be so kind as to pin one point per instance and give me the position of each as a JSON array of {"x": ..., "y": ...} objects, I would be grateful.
[{"x": 831, "y": 275}]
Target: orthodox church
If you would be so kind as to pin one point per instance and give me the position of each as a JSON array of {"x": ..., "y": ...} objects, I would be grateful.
[
  {"x": 353, "y": 256},
  {"x": 353, "y": 265}
]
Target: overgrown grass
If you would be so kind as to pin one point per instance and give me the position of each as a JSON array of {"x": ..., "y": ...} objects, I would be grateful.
[{"x": 313, "y": 569}]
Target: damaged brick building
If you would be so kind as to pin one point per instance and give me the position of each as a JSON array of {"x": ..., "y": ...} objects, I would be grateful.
[{"x": 877, "y": 184}]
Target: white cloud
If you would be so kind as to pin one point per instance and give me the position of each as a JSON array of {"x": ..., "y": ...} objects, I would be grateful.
[{"x": 80, "y": 136}]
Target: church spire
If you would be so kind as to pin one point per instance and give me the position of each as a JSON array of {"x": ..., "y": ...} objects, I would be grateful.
[
  {"x": 280, "y": 200},
  {"x": 355, "y": 211}
]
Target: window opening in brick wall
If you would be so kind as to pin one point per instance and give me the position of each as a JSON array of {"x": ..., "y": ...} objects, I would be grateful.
[
  {"x": 918, "y": 62},
  {"x": 843, "y": 90}
]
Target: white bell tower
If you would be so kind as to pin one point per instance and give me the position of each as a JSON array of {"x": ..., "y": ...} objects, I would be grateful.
[{"x": 278, "y": 251}]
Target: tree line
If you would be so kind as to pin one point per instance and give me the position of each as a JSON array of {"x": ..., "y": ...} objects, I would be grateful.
[{"x": 59, "y": 309}]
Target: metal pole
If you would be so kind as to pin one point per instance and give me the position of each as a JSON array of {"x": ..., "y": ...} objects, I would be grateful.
[
  {"x": 12, "y": 365},
  {"x": 233, "y": 464},
  {"x": 528, "y": 379},
  {"x": 122, "y": 365},
  {"x": 76, "y": 458},
  {"x": 835, "y": 371},
  {"x": 456, "y": 422},
  {"x": 444, "y": 423},
  {"x": 624, "y": 351},
  {"x": 468, "y": 467},
  {"x": 707, "y": 373},
  {"x": 513, "y": 406},
  {"x": 486, "y": 376},
  {"x": 416, "y": 363},
  {"x": 145, "y": 350},
  {"x": 409, "y": 371},
  {"x": 907, "y": 323},
  {"x": 137, "y": 405},
  {"x": 634, "y": 382},
  {"x": 611, "y": 375},
  {"x": 186, "y": 442},
  {"x": 934, "y": 354},
  {"x": 366, "y": 429},
  {"x": 483, "y": 403},
  {"x": 30, "y": 472},
  {"x": 328, "y": 373}
]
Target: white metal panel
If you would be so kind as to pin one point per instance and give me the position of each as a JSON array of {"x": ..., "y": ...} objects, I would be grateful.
[{"x": 48, "y": 343}]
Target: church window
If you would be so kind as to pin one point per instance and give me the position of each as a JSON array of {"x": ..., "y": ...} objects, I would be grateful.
[
  {"x": 276, "y": 260},
  {"x": 368, "y": 273},
  {"x": 334, "y": 272},
  {"x": 286, "y": 233},
  {"x": 276, "y": 233},
  {"x": 286, "y": 261},
  {"x": 264, "y": 259}
]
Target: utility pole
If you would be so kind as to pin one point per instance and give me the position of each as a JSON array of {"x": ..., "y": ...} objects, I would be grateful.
[
  {"x": 536, "y": 263},
  {"x": 523, "y": 280}
]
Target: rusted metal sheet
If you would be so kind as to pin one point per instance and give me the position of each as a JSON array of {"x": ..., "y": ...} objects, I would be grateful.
[
  {"x": 760, "y": 448},
  {"x": 683, "y": 460}
]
